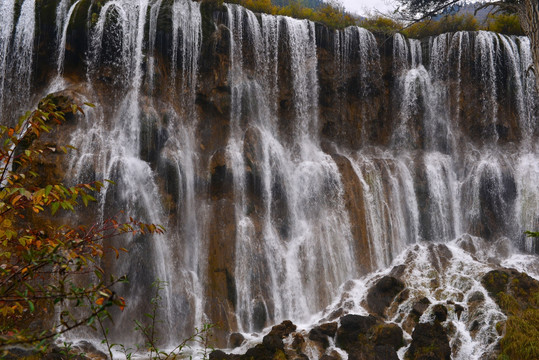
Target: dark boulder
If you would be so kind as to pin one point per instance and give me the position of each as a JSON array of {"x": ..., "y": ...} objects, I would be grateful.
[
  {"x": 476, "y": 296},
  {"x": 274, "y": 340},
  {"x": 283, "y": 329},
  {"x": 388, "y": 335},
  {"x": 440, "y": 312},
  {"x": 366, "y": 338},
  {"x": 235, "y": 340},
  {"x": 458, "y": 310},
  {"x": 385, "y": 352},
  {"x": 382, "y": 294},
  {"x": 355, "y": 323},
  {"x": 260, "y": 352},
  {"x": 420, "y": 306},
  {"x": 321, "y": 333},
  {"x": 219, "y": 355},
  {"x": 429, "y": 342},
  {"x": 328, "y": 357}
]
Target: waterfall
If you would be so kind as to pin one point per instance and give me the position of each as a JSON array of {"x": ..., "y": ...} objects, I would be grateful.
[
  {"x": 7, "y": 13},
  {"x": 17, "y": 55},
  {"x": 386, "y": 180},
  {"x": 63, "y": 17},
  {"x": 154, "y": 15},
  {"x": 486, "y": 49},
  {"x": 290, "y": 163},
  {"x": 291, "y": 238}
]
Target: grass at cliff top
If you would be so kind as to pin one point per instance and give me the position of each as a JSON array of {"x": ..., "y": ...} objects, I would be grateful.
[{"x": 333, "y": 15}]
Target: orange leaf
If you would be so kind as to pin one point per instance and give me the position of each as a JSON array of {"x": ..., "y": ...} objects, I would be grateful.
[{"x": 100, "y": 301}]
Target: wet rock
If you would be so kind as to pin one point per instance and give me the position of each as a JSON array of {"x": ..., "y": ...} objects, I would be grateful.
[
  {"x": 353, "y": 196},
  {"x": 476, "y": 296},
  {"x": 328, "y": 357},
  {"x": 260, "y": 315},
  {"x": 366, "y": 338},
  {"x": 388, "y": 335},
  {"x": 283, "y": 329},
  {"x": 353, "y": 329},
  {"x": 329, "y": 329},
  {"x": 409, "y": 323},
  {"x": 512, "y": 282},
  {"x": 356, "y": 323},
  {"x": 272, "y": 342},
  {"x": 385, "y": 352},
  {"x": 398, "y": 271},
  {"x": 420, "y": 306},
  {"x": 335, "y": 314},
  {"x": 321, "y": 333},
  {"x": 235, "y": 340},
  {"x": 440, "y": 312},
  {"x": 261, "y": 352},
  {"x": 429, "y": 342},
  {"x": 335, "y": 355},
  {"x": 298, "y": 341},
  {"x": 458, "y": 310},
  {"x": 219, "y": 355},
  {"x": 382, "y": 293},
  {"x": 221, "y": 182}
]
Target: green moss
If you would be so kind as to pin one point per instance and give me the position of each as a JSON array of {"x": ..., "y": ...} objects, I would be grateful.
[
  {"x": 518, "y": 296},
  {"x": 521, "y": 340},
  {"x": 279, "y": 355},
  {"x": 508, "y": 303}
]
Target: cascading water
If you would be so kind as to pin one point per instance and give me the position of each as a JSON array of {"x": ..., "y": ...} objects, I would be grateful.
[
  {"x": 17, "y": 55},
  {"x": 229, "y": 141},
  {"x": 7, "y": 14},
  {"x": 63, "y": 17},
  {"x": 289, "y": 245}
]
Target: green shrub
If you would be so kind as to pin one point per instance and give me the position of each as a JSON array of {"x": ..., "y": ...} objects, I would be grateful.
[
  {"x": 380, "y": 24},
  {"x": 331, "y": 13},
  {"x": 451, "y": 23},
  {"x": 508, "y": 24}
]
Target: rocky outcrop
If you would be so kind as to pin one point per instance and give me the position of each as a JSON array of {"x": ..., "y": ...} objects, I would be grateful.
[
  {"x": 429, "y": 342},
  {"x": 382, "y": 293},
  {"x": 366, "y": 338}
]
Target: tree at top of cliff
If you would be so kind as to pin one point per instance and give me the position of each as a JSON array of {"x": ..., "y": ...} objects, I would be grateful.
[{"x": 527, "y": 11}]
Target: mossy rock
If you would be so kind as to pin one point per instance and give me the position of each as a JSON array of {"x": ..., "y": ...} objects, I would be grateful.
[
  {"x": 517, "y": 294},
  {"x": 429, "y": 341}
]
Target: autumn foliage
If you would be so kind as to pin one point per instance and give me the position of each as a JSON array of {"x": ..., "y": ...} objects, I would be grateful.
[{"x": 50, "y": 278}]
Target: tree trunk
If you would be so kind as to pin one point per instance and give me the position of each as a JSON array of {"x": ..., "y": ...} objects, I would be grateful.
[{"x": 528, "y": 12}]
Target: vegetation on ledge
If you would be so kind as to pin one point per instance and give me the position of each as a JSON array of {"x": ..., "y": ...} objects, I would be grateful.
[
  {"x": 517, "y": 294},
  {"x": 330, "y": 13}
]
